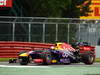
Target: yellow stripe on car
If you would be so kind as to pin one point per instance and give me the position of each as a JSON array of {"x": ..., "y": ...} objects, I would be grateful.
[
  {"x": 54, "y": 61},
  {"x": 23, "y": 54}
]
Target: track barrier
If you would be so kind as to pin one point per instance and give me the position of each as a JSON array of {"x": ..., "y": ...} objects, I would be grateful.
[{"x": 10, "y": 49}]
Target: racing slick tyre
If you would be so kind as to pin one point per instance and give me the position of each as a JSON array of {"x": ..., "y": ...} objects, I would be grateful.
[
  {"x": 23, "y": 60},
  {"x": 88, "y": 59}
]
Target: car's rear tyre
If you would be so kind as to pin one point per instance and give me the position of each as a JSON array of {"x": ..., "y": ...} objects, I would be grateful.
[{"x": 88, "y": 59}]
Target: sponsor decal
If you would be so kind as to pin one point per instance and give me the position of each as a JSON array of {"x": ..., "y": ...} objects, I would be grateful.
[
  {"x": 5, "y": 3},
  {"x": 95, "y": 8}
]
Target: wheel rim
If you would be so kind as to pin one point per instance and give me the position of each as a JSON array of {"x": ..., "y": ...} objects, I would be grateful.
[{"x": 91, "y": 59}]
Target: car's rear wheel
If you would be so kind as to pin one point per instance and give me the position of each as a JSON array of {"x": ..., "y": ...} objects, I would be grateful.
[{"x": 88, "y": 59}]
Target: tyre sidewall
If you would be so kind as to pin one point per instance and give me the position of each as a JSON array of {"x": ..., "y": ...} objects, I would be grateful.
[{"x": 88, "y": 59}]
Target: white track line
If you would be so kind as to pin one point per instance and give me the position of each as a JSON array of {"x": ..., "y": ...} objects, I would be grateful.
[{"x": 24, "y": 66}]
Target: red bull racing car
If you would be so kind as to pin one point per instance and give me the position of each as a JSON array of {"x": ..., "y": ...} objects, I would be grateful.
[{"x": 60, "y": 53}]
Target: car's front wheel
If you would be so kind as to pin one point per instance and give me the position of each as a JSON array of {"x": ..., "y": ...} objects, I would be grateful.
[{"x": 23, "y": 60}]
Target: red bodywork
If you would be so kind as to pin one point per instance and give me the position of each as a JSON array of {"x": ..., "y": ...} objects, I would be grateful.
[
  {"x": 68, "y": 47},
  {"x": 38, "y": 60},
  {"x": 84, "y": 49}
]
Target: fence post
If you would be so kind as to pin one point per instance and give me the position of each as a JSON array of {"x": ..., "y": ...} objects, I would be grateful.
[
  {"x": 13, "y": 32},
  {"x": 68, "y": 34},
  {"x": 29, "y": 37},
  {"x": 79, "y": 34},
  {"x": 56, "y": 32},
  {"x": 43, "y": 34}
]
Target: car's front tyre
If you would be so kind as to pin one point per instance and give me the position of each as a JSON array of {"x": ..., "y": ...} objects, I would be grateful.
[{"x": 23, "y": 60}]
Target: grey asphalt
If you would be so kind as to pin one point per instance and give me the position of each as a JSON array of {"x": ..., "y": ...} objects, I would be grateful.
[
  {"x": 57, "y": 65},
  {"x": 33, "y": 69}
]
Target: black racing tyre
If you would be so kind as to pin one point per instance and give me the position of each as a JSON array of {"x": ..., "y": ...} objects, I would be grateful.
[
  {"x": 88, "y": 59},
  {"x": 23, "y": 60}
]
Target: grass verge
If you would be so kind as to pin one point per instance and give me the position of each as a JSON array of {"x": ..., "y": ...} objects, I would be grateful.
[
  {"x": 97, "y": 59},
  {"x": 5, "y": 59}
]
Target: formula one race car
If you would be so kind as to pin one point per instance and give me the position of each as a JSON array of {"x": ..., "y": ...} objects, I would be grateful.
[{"x": 61, "y": 53}]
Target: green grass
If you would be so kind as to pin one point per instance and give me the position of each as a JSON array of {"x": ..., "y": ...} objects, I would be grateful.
[
  {"x": 5, "y": 59},
  {"x": 97, "y": 59}
]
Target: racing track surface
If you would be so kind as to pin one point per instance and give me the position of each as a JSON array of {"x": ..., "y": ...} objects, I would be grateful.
[{"x": 33, "y": 69}]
